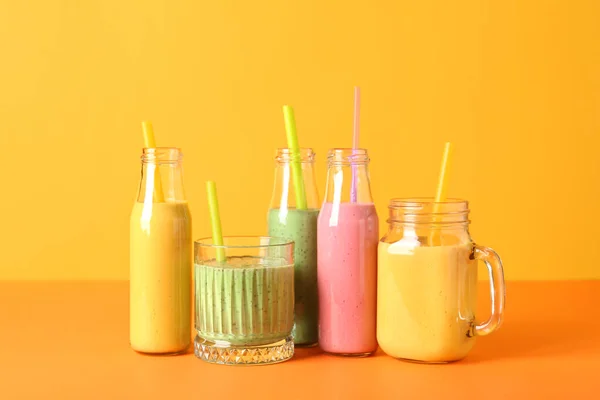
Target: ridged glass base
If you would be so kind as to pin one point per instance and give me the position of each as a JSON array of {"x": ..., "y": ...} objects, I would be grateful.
[{"x": 225, "y": 353}]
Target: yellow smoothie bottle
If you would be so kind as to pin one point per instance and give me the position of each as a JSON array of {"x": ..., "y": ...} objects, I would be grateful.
[
  {"x": 427, "y": 282},
  {"x": 160, "y": 257}
]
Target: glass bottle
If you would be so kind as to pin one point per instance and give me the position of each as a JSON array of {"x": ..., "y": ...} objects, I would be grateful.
[
  {"x": 427, "y": 282},
  {"x": 348, "y": 232},
  {"x": 160, "y": 257},
  {"x": 287, "y": 220}
]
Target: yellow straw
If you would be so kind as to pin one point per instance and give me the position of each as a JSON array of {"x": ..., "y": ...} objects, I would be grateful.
[
  {"x": 149, "y": 143},
  {"x": 442, "y": 186},
  {"x": 215, "y": 219},
  {"x": 292, "y": 138}
]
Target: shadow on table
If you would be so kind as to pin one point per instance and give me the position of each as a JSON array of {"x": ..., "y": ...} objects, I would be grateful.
[
  {"x": 301, "y": 353},
  {"x": 527, "y": 339},
  {"x": 186, "y": 352},
  {"x": 304, "y": 353},
  {"x": 518, "y": 340}
]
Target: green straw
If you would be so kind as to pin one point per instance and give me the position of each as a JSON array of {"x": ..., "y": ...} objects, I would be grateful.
[
  {"x": 215, "y": 219},
  {"x": 292, "y": 139}
]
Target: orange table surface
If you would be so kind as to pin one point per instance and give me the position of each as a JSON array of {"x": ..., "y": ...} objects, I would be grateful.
[{"x": 62, "y": 340}]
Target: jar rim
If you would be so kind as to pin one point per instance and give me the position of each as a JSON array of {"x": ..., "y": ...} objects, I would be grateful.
[
  {"x": 422, "y": 202},
  {"x": 425, "y": 210}
]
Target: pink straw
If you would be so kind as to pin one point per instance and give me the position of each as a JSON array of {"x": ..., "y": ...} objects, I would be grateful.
[{"x": 353, "y": 189}]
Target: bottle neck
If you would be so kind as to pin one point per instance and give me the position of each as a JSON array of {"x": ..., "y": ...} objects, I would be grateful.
[
  {"x": 161, "y": 176},
  {"x": 295, "y": 175},
  {"x": 348, "y": 179}
]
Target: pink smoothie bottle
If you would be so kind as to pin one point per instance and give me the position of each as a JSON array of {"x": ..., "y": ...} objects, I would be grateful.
[{"x": 347, "y": 235}]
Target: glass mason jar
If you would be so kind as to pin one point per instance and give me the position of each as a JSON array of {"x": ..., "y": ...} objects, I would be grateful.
[
  {"x": 298, "y": 223},
  {"x": 348, "y": 232},
  {"x": 427, "y": 282},
  {"x": 160, "y": 257},
  {"x": 244, "y": 292}
]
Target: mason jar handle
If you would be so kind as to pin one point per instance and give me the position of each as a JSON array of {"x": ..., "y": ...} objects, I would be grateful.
[{"x": 497, "y": 290}]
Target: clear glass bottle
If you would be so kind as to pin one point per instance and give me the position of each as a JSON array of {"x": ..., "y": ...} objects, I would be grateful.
[
  {"x": 427, "y": 282},
  {"x": 348, "y": 232},
  {"x": 160, "y": 257},
  {"x": 287, "y": 220}
]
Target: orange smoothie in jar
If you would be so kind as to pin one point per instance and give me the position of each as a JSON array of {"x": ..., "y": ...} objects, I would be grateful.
[{"x": 426, "y": 301}]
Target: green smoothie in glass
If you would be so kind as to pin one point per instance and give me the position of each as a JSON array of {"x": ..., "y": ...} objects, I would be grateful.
[
  {"x": 244, "y": 300},
  {"x": 299, "y": 225}
]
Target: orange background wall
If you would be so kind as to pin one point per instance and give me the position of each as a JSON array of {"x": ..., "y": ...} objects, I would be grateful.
[{"x": 515, "y": 85}]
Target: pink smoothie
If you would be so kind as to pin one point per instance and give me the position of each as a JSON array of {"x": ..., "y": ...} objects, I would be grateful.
[{"x": 347, "y": 277}]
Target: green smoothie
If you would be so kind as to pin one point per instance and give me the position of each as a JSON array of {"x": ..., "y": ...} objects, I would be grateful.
[
  {"x": 244, "y": 301},
  {"x": 301, "y": 227}
]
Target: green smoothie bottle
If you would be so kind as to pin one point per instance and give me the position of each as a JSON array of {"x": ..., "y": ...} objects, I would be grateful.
[{"x": 300, "y": 225}]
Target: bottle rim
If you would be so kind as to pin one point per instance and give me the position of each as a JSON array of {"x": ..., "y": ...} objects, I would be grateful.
[
  {"x": 284, "y": 155},
  {"x": 161, "y": 155},
  {"x": 348, "y": 156}
]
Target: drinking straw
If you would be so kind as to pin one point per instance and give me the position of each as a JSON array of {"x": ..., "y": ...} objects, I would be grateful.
[
  {"x": 442, "y": 186},
  {"x": 150, "y": 143},
  {"x": 215, "y": 219},
  {"x": 353, "y": 189},
  {"x": 292, "y": 139}
]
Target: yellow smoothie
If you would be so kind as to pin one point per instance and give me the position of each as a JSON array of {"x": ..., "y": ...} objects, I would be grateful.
[
  {"x": 160, "y": 277},
  {"x": 426, "y": 301}
]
